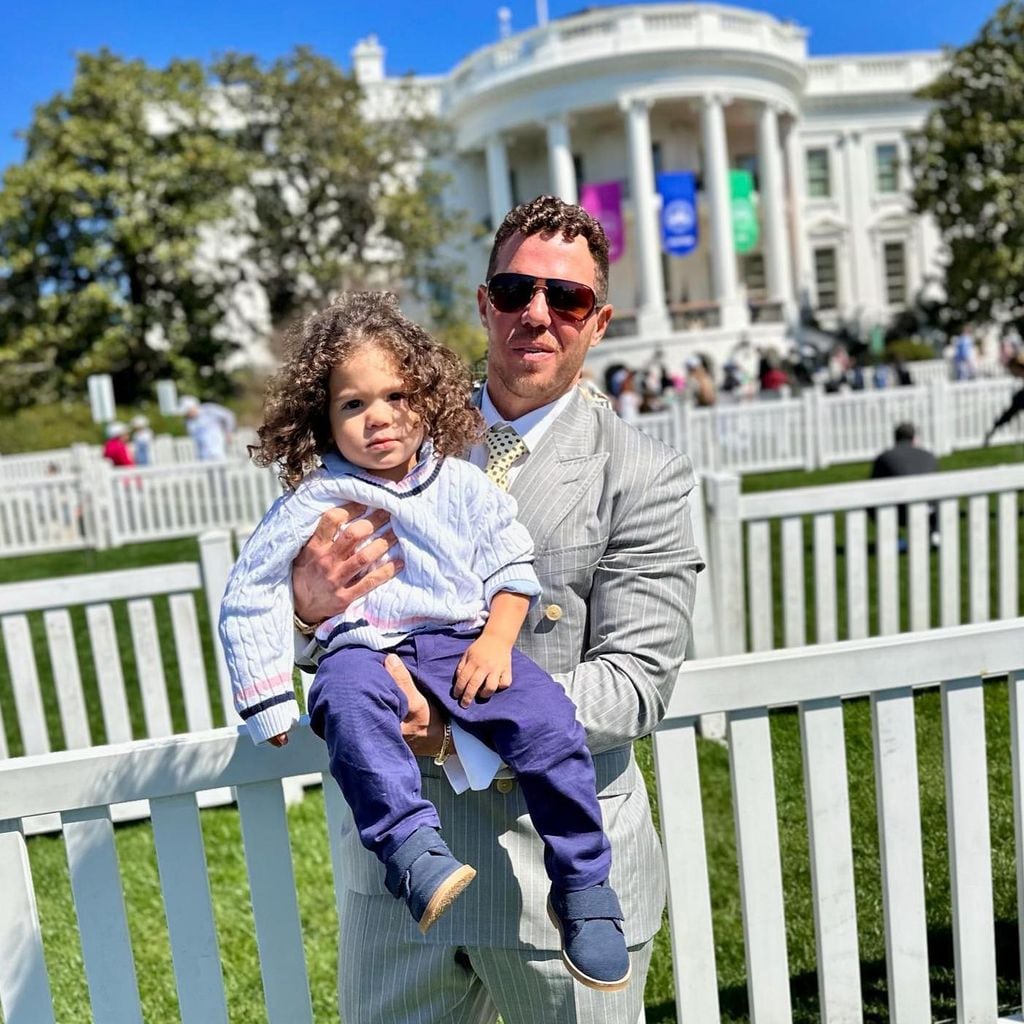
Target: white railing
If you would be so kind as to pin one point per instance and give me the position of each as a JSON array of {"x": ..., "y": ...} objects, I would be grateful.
[
  {"x": 816, "y": 430},
  {"x": 97, "y": 506},
  {"x": 169, "y": 773},
  {"x": 816, "y": 682},
  {"x": 813, "y": 553}
]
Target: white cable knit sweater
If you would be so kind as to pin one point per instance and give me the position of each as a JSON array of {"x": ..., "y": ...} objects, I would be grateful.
[{"x": 460, "y": 542}]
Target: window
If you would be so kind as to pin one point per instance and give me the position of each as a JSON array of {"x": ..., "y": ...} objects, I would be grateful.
[
  {"x": 748, "y": 162},
  {"x": 819, "y": 182},
  {"x": 887, "y": 166},
  {"x": 753, "y": 274},
  {"x": 657, "y": 158},
  {"x": 825, "y": 279},
  {"x": 894, "y": 258},
  {"x": 577, "y": 168}
]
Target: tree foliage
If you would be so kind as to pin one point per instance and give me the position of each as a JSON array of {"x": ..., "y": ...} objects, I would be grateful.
[
  {"x": 99, "y": 229},
  {"x": 343, "y": 197},
  {"x": 149, "y": 196},
  {"x": 968, "y": 167}
]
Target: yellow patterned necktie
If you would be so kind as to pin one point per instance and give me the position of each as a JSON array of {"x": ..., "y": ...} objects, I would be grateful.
[{"x": 504, "y": 446}]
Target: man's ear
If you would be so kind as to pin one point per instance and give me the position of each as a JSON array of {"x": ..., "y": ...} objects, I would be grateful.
[
  {"x": 481, "y": 303},
  {"x": 604, "y": 315}
]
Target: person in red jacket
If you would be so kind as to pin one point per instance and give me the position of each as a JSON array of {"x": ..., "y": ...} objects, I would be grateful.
[{"x": 116, "y": 448}]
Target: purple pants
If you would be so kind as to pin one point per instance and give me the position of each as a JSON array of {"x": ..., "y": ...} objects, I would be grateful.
[{"x": 356, "y": 708}]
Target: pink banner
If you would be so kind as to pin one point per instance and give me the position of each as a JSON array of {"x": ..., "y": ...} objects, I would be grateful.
[{"x": 603, "y": 202}]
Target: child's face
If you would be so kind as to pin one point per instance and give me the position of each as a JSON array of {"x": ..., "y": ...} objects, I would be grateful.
[{"x": 371, "y": 421}]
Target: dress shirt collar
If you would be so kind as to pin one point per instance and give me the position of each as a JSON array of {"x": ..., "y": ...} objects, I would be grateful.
[{"x": 531, "y": 427}]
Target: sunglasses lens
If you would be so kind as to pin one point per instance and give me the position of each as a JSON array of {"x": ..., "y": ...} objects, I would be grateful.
[
  {"x": 570, "y": 298},
  {"x": 510, "y": 293}
]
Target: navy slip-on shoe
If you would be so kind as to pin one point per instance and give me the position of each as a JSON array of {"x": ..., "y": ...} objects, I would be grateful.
[
  {"x": 423, "y": 872},
  {"x": 589, "y": 922}
]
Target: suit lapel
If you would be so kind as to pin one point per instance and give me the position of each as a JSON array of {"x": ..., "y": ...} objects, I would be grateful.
[{"x": 558, "y": 471}]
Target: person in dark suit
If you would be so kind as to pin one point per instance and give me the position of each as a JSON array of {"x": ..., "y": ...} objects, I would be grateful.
[{"x": 907, "y": 458}]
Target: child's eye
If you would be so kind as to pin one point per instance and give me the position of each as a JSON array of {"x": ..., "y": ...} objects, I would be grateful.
[
  {"x": 396, "y": 396},
  {"x": 352, "y": 403}
]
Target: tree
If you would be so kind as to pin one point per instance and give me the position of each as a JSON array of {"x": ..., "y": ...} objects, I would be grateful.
[
  {"x": 100, "y": 229},
  {"x": 968, "y": 167},
  {"x": 344, "y": 193}
]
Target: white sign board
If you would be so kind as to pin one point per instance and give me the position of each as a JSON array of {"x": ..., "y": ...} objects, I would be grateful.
[{"x": 101, "y": 397}]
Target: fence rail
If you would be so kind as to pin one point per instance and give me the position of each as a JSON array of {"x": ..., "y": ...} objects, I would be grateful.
[
  {"x": 83, "y": 786},
  {"x": 816, "y": 430}
]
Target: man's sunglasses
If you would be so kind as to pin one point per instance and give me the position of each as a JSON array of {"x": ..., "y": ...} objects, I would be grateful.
[{"x": 509, "y": 293}]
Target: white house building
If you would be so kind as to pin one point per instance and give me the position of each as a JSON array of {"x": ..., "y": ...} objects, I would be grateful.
[{"x": 616, "y": 96}]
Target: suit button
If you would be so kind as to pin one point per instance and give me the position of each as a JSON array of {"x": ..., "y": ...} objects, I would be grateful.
[
  {"x": 505, "y": 786},
  {"x": 553, "y": 612}
]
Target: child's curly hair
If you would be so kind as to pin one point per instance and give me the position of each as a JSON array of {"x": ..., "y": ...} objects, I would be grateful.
[{"x": 296, "y": 429}]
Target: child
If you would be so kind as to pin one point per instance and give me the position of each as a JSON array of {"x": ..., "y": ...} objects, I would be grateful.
[{"x": 384, "y": 410}]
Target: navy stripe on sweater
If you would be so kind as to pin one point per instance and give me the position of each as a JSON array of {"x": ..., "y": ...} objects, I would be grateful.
[{"x": 279, "y": 698}]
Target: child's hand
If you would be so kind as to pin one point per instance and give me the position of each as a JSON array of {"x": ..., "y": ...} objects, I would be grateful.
[
  {"x": 279, "y": 740},
  {"x": 485, "y": 668}
]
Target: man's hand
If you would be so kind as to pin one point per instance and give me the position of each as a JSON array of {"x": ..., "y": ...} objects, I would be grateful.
[
  {"x": 422, "y": 727},
  {"x": 281, "y": 740},
  {"x": 332, "y": 570},
  {"x": 485, "y": 668}
]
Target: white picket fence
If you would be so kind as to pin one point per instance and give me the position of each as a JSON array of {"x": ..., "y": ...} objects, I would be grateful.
[
  {"x": 66, "y": 643},
  {"x": 84, "y": 786},
  {"x": 99, "y": 506},
  {"x": 810, "y": 550},
  {"x": 816, "y": 682},
  {"x": 816, "y": 430}
]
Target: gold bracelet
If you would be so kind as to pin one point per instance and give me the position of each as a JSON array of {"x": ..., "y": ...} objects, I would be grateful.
[
  {"x": 446, "y": 746},
  {"x": 303, "y": 627}
]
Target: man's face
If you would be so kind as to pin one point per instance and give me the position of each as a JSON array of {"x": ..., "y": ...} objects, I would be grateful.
[{"x": 535, "y": 354}]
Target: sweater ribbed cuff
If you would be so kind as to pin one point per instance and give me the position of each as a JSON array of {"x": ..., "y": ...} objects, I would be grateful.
[
  {"x": 272, "y": 721},
  {"x": 519, "y": 579}
]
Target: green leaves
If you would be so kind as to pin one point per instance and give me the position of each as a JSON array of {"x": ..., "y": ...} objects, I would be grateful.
[
  {"x": 150, "y": 197},
  {"x": 968, "y": 167}
]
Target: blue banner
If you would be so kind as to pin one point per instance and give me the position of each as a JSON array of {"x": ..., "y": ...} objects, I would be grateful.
[{"x": 679, "y": 229}]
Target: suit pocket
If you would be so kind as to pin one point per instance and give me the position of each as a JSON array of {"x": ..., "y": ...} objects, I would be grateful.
[{"x": 573, "y": 561}]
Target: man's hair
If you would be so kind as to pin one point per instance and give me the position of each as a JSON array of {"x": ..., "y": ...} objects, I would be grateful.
[
  {"x": 549, "y": 215},
  {"x": 296, "y": 428},
  {"x": 905, "y": 432}
]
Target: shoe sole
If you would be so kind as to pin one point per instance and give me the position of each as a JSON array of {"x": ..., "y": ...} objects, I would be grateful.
[
  {"x": 581, "y": 976},
  {"x": 445, "y": 895}
]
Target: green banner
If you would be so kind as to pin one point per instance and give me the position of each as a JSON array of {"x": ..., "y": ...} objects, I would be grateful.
[{"x": 744, "y": 216}]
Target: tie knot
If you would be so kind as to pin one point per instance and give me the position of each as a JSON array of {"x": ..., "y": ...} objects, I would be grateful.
[{"x": 504, "y": 446}]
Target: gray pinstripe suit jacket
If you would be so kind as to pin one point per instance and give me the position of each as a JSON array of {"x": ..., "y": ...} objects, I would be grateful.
[{"x": 607, "y": 509}]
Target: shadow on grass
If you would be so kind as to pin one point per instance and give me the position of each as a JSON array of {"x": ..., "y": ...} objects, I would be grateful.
[{"x": 803, "y": 987}]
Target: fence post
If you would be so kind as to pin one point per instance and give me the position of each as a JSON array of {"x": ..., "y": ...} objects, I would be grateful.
[
  {"x": 216, "y": 559},
  {"x": 679, "y": 435},
  {"x": 941, "y": 413},
  {"x": 725, "y": 560},
  {"x": 810, "y": 399}
]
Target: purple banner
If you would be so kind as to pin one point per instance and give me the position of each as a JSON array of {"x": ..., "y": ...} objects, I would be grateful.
[{"x": 603, "y": 202}]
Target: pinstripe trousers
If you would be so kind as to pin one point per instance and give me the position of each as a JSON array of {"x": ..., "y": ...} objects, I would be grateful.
[{"x": 397, "y": 978}]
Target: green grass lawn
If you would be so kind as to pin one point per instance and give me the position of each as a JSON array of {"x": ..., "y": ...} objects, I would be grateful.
[{"x": 309, "y": 844}]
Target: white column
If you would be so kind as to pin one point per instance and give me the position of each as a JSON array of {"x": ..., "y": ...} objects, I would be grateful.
[
  {"x": 773, "y": 210},
  {"x": 652, "y": 314},
  {"x": 497, "y": 180},
  {"x": 797, "y": 202},
  {"x": 715, "y": 166},
  {"x": 562, "y": 172},
  {"x": 863, "y": 295}
]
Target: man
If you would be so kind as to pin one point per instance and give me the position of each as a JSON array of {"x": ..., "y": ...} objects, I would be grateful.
[
  {"x": 906, "y": 458},
  {"x": 209, "y": 425},
  {"x": 606, "y": 506}
]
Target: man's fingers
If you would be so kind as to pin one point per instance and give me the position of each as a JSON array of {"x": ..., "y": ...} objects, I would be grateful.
[
  {"x": 396, "y": 669},
  {"x": 374, "y": 578},
  {"x": 336, "y": 519}
]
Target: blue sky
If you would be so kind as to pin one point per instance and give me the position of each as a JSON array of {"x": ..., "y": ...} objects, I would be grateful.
[{"x": 40, "y": 37}]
